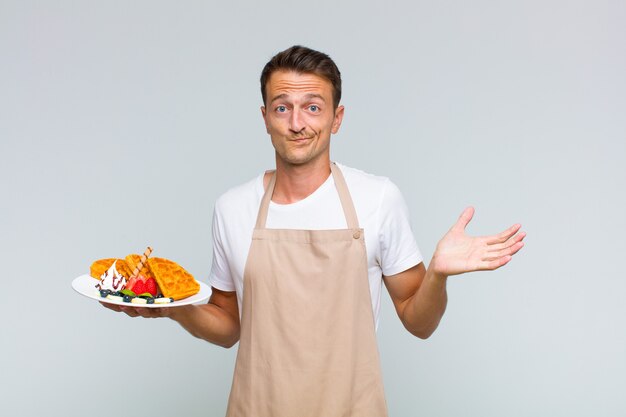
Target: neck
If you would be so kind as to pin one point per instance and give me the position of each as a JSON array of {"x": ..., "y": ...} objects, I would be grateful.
[{"x": 297, "y": 182}]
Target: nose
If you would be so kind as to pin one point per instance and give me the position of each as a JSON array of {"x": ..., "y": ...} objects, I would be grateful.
[{"x": 296, "y": 121}]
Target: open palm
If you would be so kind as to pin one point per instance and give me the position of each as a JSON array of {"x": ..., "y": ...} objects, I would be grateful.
[{"x": 457, "y": 253}]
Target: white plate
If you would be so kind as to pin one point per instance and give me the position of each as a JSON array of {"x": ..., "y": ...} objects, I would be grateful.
[{"x": 86, "y": 285}]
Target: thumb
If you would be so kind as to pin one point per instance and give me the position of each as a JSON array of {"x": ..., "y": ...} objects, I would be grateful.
[{"x": 464, "y": 218}]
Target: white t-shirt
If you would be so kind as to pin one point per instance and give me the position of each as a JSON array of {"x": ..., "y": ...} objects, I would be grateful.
[{"x": 380, "y": 208}]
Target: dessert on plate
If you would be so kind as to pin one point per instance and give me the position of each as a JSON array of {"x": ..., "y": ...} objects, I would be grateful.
[{"x": 139, "y": 279}]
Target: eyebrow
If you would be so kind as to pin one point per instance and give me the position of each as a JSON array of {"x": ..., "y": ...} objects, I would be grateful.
[{"x": 306, "y": 97}]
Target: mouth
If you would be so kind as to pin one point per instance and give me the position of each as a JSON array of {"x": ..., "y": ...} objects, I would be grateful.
[{"x": 300, "y": 140}]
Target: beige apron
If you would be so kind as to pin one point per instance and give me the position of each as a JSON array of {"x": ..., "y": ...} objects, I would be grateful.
[{"x": 308, "y": 344}]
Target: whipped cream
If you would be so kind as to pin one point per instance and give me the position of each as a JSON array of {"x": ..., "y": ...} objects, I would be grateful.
[{"x": 111, "y": 280}]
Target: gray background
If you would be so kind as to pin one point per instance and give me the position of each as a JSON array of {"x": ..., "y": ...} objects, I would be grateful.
[{"x": 121, "y": 122}]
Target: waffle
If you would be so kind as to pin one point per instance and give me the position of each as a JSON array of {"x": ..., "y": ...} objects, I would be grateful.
[
  {"x": 100, "y": 266},
  {"x": 132, "y": 260},
  {"x": 172, "y": 278},
  {"x": 124, "y": 268}
]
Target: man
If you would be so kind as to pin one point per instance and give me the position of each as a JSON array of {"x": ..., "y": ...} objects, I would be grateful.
[{"x": 300, "y": 255}]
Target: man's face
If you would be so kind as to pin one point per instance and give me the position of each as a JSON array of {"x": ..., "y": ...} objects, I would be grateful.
[{"x": 300, "y": 116}]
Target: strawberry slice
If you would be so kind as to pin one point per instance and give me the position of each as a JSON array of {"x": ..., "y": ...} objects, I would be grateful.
[
  {"x": 151, "y": 286},
  {"x": 139, "y": 287},
  {"x": 131, "y": 283}
]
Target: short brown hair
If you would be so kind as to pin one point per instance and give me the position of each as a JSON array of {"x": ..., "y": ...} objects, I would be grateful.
[{"x": 303, "y": 60}]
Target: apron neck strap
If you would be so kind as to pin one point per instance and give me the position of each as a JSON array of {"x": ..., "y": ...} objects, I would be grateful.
[
  {"x": 342, "y": 189},
  {"x": 344, "y": 196},
  {"x": 261, "y": 217}
]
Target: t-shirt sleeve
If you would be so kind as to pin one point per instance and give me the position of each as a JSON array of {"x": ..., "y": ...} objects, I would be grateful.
[
  {"x": 399, "y": 250},
  {"x": 220, "y": 276}
]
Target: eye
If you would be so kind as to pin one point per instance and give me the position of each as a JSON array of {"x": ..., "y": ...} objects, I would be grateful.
[
  {"x": 314, "y": 108},
  {"x": 281, "y": 109}
]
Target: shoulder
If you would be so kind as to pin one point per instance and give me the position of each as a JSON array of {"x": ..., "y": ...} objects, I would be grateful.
[
  {"x": 240, "y": 197},
  {"x": 361, "y": 182},
  {"x": 358, "y": 177},
  {"x": 375, "y": 196}
]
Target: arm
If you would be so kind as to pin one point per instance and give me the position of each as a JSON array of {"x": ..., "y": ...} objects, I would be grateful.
[
  {"x": 420, "y": 296},
  {"x": 420, "y": 299},
  {"x": 216, "y": 322}
]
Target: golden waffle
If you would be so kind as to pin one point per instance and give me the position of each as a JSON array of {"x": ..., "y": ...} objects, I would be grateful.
[
  {"x": 100, "y": 266},
  {"x": 124, "y": 268},
  {"x": 172, "y": 278},
  {"x": 132, "y": 261}
]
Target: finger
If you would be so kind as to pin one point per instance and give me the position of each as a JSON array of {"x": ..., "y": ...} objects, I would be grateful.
[
  {"x": 510, "y": 251},
  {"x": 149, "y": 312},
  {"x": 464, "y": 218},
  {"x": 496, "y": 263},
  {"x": 157, "y": 312},
  {"x": 503, "y": 236},
  {"x": 110, "y": 306},
  {"x": 130, "y": 311},
  {"x": 495, "y": 247}
]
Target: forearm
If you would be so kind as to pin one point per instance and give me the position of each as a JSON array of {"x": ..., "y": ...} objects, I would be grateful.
[
  {"x": 424, "y": 310},
  {"x": 209, "y": 322}
]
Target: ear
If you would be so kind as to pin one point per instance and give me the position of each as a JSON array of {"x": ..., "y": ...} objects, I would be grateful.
[
  {"x": 338, "y": 119},
  {"x": 264, "y": 114}
]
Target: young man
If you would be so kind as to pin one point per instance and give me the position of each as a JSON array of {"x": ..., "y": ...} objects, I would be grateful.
[{"x": 300, "y": 255}]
